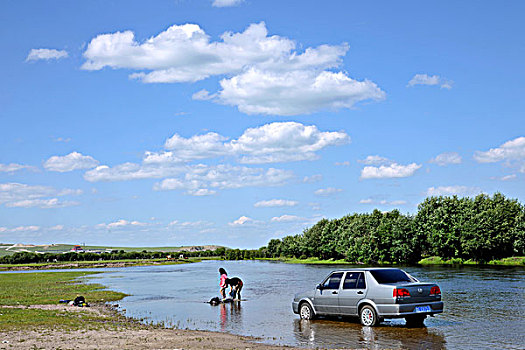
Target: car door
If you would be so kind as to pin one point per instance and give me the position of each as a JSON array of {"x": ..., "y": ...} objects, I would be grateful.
[
  {"x": 352, "y": 290},
  {"x": 326, "y": 299}
]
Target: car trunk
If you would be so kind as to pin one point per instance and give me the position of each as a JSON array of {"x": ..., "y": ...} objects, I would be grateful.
[{"x": 419, "y": 292}]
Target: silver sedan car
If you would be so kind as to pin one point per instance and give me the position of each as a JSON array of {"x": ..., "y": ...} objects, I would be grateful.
[{"x": 373, "y": 294}]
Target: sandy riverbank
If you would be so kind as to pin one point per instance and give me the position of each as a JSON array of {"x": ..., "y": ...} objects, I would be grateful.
[{"x": 130, "y": 334}]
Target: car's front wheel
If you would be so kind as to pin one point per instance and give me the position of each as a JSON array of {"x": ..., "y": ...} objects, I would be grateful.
[
  {"x": 368, "y": 316},
  {"x": 305, "y": 311}
]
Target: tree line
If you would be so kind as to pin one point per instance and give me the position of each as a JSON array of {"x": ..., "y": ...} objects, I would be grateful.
[{"x": 480, "y": 229}]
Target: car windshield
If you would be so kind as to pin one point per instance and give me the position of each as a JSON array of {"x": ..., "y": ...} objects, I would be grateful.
[{"x": 390, "y": 276}]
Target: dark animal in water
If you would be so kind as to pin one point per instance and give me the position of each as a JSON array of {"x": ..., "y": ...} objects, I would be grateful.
[{"x": 217, "y": 301}]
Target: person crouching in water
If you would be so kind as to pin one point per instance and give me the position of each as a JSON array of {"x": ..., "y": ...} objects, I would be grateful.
[
  {"x": 222, "y": 284},
  {"x": 236, "y": 286}
]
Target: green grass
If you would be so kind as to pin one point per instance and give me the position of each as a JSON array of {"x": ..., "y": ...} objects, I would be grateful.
[
  {"x": 49, "y": 288},
  {"x": 436, "y": 260},
  {"x": 23, "y": 289}
]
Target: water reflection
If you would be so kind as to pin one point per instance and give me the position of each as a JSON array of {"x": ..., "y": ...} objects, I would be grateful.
[
  {"x": 230, "y": 313},
  {"x": 352, "y": 334}
]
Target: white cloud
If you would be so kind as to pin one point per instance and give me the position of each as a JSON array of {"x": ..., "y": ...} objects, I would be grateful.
[
  {"x": 41, "y": 203},
  {"x": 446, "y": 158},
  {"x": 265, "y": 75},
  {"x": 283, "y": 142},
  {"x": 202, "y": 95},
  {"x": 382, "y": 202},
  {"x": 46, "y": 54},
  {"x": 70, "y": 162},
  {"x": 327, "y": 191},
  {"x": 57, "y": 228},
  {"x": 12, "y": 167},
  {"x": 287, "y": 218},
  {"x": 269, "y": 143},
  {"x": 511, "y": 152},
  {"x": 132, "y": 171},
  {"x": 221, "y": 176},
  {"x": 26, "y": 196},
  {"x": 389, "y": 171},
  {"x": 375, "y": 160},
  {"x": 201, "y": 192},
  {"x": 452, "y": 190},
  {"x": 226, "y": 3},
  {"x": 294, "y": 92},
  {"x": 243, "y": 220},
  {"x": 275, "y": 203},
  {"x": 508, "y": 177},
  {"x": 424, "y": 79},
  {"x": 121, "y": 224}
]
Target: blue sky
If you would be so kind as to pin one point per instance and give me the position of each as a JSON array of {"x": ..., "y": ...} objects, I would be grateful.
[{"x": 233, "y": 122}]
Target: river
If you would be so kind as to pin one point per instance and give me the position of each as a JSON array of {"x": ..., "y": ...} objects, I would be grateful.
[{"x": 484, "y": 306}]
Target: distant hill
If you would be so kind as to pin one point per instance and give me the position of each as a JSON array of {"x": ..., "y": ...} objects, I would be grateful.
[{"x": 7, "y": 248}]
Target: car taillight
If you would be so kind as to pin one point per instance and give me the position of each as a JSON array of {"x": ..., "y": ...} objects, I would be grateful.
[
  {"x": 435, "y": 291},
  {"x": 401, "y": 293}
]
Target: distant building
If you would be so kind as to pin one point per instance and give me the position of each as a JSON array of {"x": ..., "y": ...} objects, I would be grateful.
[{"x": 77, "y": 249}]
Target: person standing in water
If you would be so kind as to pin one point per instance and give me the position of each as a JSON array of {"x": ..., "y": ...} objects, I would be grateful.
[
  {"x": 236, "y": 286},
  {"x": 222, "y": 284}
]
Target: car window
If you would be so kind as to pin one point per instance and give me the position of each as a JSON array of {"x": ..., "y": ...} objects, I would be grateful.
[
  {"x": 390, "y": 276},
  {"x": 361, "y": 281},
  {"x": 354, "y": 280},
  {"x": 333, "y": 281}
]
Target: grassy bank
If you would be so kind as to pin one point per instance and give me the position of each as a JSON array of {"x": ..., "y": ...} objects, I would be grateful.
[
  {"x": 434, "y": 260},
  {"x": 18, "y": 291},
  {"x": 94, "y": 264}
]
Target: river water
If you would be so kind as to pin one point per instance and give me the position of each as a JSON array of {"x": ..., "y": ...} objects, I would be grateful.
[{"x": 484, "y": 307}]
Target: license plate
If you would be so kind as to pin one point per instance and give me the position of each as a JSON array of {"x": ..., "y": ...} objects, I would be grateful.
[{"x": 423, "y": 309}]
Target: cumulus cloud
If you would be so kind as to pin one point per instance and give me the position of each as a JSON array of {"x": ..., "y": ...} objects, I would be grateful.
[
  {"x": 446, "y": 158},
  {"x": 203, "y": 177},
  {"x": 327, "y": 191},
  {"x": 243, "y": 220},
  {"x": 512, "y": 153},
  {"x": 27, "y": 196},
  {"x": 132, "y": 171},
  {"x": 393, "y": 170},
  {"x": 452, "y": 190},
  {"x": 226, "y": 3},
  {"x": 70, "y": 162},
  {"x": 265, "y": 74},
  {"x": 46, "y": 54},
  {"x": 425, "y": 79},
  {"x": 294, "y": 92},
  {"x": 275, "y": 203},
  {"x": 269, "y": 143},
  {"x": 12, "y": 167}
]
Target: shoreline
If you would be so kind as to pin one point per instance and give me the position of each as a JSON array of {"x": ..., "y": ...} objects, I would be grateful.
[{"x": 122, "y": 333}]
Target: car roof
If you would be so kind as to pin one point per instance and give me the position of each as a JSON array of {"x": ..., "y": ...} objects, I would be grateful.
[{"x": 366, "y": 269}]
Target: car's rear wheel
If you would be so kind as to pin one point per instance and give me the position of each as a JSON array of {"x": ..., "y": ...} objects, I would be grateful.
[
  {"x": 368, "y": 316},
  {"x": 416, "y": 320},
  {"x": 305, "y": 311}
]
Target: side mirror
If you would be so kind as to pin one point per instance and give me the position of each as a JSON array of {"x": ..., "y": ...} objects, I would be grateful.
[{"x": 319, "y": 286}]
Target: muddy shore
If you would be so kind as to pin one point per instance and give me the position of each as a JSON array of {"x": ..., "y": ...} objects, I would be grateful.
[{"x": 122, "y": 333}]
